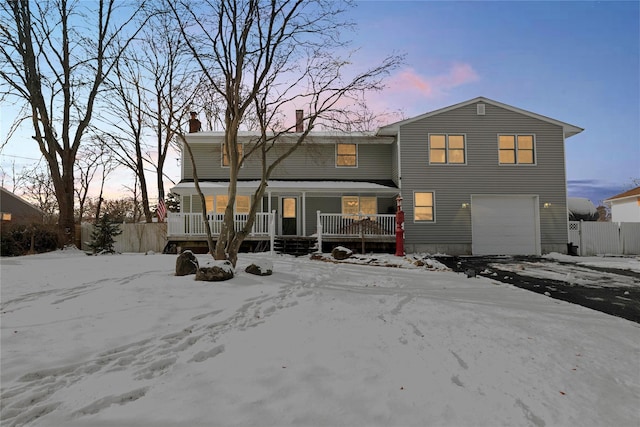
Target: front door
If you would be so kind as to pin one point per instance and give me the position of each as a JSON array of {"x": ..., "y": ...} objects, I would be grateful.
[{"x": 289, "y": 215}]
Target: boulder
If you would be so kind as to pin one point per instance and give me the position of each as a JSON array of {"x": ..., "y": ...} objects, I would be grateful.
[
  {"x": 186, "y": 264},
  {"x": 216, "y": 272},
  {"x": 340, "y": 253},
  {"x": 260, "y": 268}
]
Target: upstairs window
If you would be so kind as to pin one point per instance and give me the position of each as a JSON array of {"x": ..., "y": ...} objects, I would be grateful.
[
  {"x": 516, "y": 149},
  {"x": 423, "y": 206},
  {"x": 346, "y": 155},
  {"x": 225, "y": 154},
  {"x": 447, "y": 149}
]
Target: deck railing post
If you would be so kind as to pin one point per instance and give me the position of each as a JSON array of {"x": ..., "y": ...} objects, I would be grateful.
[
  {"x": 361, "y": 221},
  {"x": 272, "y": 232}
]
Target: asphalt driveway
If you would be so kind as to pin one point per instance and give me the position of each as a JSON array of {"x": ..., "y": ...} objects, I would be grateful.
[{"x": 609, "y": 290}]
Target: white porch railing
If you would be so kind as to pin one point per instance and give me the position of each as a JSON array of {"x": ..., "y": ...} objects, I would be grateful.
[
  {"x": 192, "y": 224},
  {"x": 357, "y": 225},
  {"x": 335, "y": 224},
  {"x": 329, "y": 224}
]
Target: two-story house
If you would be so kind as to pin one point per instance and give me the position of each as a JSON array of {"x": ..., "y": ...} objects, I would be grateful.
[{"x": 479, "y": 177}]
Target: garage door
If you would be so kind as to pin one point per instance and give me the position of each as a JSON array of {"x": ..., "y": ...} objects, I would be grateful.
[{"x": 505, "y": 225}]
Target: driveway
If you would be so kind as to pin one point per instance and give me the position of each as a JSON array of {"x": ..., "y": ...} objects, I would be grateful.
[{"x": 613, "y": 291}]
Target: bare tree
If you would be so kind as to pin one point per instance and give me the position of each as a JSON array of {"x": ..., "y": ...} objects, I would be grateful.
[
  {"x": 124, "y": 118},
  {"x": 172, "y": 82},
  {"x": 36, "y": 187},
  {"x": 262, "y": 57},
  {"x": 91, "y": 158},
  {"x": 55, "y": 56}
]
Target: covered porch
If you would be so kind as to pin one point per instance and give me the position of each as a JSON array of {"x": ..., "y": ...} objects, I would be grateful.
[{"x": 328, "y": 211}]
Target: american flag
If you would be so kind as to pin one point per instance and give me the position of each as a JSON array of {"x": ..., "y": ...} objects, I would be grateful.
[{"x": 162, "y": 209}]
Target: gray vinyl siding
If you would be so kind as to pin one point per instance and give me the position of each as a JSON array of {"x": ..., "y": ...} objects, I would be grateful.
[
  {"x": 309, "y": 162},
  {"x": 453, "y": 185},
  {"x": 394, "y": 163},
  {"x": 322, "y": 204},
  {"x": 185, "y": 204}
]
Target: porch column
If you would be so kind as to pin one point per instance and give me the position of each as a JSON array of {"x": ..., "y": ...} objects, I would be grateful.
[
  {"x": 319, "y": 231},
  {"x": 304, "y": 211}
]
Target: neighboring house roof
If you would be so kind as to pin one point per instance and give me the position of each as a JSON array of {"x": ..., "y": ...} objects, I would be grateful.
[
  {"x": 18, "y": 207},
  {"x": 393, "y": 129},
  {"x": 634, "y": 192}
]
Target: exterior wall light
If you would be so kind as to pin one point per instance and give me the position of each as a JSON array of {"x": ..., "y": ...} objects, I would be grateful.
[
  {"x": 465, "y": 205},
  {"x": 546, "y": 205}
]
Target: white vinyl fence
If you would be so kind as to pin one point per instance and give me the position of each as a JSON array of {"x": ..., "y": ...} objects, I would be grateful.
[
  {"x": 605, "y": 238},
  {"x": 134, "y": 238}
]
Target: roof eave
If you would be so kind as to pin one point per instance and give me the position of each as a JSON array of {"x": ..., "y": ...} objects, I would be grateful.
[{"x": 393, "y": 128}]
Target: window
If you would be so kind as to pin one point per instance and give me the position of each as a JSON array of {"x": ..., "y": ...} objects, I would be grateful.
[
  {"x": 423, "y": 207},
  {"x": 222, "y": 200},
  {"x": 6, "y": 216},
  {"x": 289, "y": 207},
  {"x": 225, "y": 155},
  {"x": 352, "y": 206},
  {"x": 243, "y": 203},
  {"x": 346, "y": 155},
  {"x": 516, "y": 149},
  {"x": 446, "y": 149}
]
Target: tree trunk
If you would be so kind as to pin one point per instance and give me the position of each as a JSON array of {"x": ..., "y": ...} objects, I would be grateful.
[{"x": 207, "y": 227}]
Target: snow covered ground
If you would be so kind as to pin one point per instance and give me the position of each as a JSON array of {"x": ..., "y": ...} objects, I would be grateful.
[{"x": 120, "y": 341}]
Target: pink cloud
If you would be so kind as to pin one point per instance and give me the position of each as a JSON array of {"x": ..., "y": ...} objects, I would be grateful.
[{"x": 408, "y": 80}]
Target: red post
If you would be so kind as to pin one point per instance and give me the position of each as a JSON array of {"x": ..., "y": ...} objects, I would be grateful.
[{"x": 399, "y": 227}]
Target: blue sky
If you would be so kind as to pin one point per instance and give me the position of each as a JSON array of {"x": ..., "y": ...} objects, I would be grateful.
[{"x": 577, "y": 62}]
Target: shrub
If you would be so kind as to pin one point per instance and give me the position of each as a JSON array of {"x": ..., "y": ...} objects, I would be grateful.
[
  {"x": 102, "y": 236},
  {"x": 16, "y": 239}
]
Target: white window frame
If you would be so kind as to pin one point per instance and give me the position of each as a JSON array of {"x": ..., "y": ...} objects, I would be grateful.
[
  {"x": 446, "y": 148},
  {"x": 240, "y": 144},
  {"x": 433, "y": 207},
  {"x": 336, "y": 154},
  {"x": 515, "y": 136}
]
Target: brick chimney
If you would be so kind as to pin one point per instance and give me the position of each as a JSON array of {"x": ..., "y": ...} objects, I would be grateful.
[
  {"x": 299, "y": 121},
  {"x": 194, "y": 123}
]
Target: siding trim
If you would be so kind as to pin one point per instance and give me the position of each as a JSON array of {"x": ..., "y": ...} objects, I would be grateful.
[{"x": 394, "y": 128}]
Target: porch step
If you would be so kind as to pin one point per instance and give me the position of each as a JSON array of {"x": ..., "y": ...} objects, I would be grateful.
[{"x": 295, "y": 245}]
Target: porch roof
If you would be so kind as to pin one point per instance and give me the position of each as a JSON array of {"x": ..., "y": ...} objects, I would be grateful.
[{"x": 310, "y": 187}]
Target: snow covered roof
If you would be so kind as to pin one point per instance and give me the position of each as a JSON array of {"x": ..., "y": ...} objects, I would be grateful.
[
  {"x": 332, "y": 187},
  {"x": 580, "y": 206},
  {"x": 314, "y": 137}
]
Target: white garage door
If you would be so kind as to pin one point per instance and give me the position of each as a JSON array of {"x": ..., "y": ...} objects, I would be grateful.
[{"x": 505, "y": 225}]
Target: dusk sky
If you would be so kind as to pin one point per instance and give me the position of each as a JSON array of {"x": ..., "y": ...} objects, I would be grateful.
[{"x": 577, "y": 62}]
